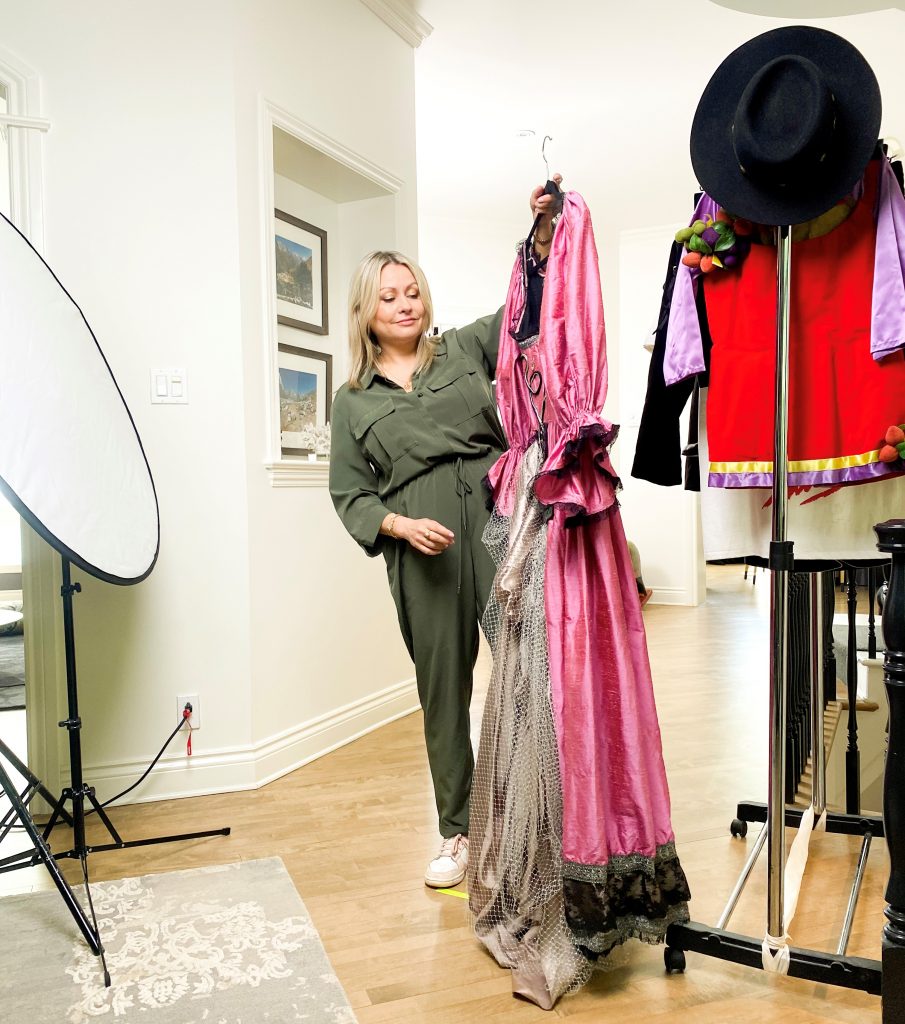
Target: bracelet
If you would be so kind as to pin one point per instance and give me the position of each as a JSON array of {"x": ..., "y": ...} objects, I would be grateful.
[{"x": 392, "y": 526}]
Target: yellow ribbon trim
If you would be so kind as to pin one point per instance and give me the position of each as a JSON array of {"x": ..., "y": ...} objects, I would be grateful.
[
  {"x": 453, "y": 892},
  {"x": 798, "y": 466}
]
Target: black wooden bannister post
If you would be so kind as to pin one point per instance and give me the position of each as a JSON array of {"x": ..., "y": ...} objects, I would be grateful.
[
  {"x": 874, "y": 578},
  {"x": 891, "y": 535},
  {"x": 852, "y": 755}
]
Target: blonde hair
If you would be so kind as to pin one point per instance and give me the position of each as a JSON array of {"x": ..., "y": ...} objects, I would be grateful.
[{"x": 364, "y": 297}]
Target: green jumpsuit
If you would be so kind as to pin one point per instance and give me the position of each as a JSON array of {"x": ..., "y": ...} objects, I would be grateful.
[{"x": 424, "y": 454}]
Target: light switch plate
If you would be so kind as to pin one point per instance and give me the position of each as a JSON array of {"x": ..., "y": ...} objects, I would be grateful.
[{"x": 169, "y": 387}]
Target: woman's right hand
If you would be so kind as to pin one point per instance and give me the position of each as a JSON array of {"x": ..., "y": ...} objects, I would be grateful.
[
  {"x": 543, "y": 205},
  {"x": 424, "y": 535}
]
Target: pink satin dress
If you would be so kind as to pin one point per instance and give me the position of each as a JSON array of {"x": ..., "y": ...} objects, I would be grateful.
[{"x": 572, "y": 849}]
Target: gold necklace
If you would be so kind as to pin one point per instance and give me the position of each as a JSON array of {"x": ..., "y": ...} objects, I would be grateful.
[{"x": 405, "y": 385}]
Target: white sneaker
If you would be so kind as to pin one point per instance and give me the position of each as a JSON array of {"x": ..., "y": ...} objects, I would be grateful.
[{"x": 450, "y": 865}]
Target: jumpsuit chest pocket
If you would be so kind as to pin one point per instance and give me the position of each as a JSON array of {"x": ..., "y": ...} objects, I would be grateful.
[
  {"x": 458, "y": 394},
  {"x": 382, "y": 434}
]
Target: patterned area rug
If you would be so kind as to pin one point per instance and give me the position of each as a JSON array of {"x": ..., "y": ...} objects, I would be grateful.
[{"x": 217, "y": 945}]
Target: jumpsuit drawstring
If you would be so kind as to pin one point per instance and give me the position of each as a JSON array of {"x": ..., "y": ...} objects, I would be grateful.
[{"x": 463, "y": 488}]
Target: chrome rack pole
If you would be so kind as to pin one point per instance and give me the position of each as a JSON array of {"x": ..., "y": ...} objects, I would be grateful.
[
  {"x": 818, "y": 697},
  {"x": 781, "y": 562},
  {"x": 736, "y": 893},
  {"x": 853, "y": 896}
]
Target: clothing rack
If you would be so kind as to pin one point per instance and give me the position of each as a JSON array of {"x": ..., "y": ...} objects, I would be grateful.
[{"x": 886, "y": 977}]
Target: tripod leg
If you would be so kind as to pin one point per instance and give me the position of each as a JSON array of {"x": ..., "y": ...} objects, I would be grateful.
[
  {"x": 98, "y": 808},
  {"x": 44, "y": 853},
  {"x": 57, "y": 812},
  {"x": 35, "y": 784},
  {"x": 122, "y": 844},
  {"x": 7, "y": 822},
  {"x": 97, "y": 931}
]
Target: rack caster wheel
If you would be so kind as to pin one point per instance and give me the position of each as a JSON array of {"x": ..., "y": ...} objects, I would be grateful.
[
  {"x": 739, "y": 828},
  {"x": 674, "y": 960}
]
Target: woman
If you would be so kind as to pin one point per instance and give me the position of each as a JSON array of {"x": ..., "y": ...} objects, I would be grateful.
[{"x": 414, "y": 432}]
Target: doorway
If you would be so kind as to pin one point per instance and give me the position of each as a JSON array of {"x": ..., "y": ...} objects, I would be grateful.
[{"x": 13, "y": 728}]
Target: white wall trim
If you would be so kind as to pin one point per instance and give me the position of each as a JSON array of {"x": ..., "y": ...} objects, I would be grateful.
[
  {"x": 402, "y": 19},
  {"x": 270, "y": 116},
  {"x": 40, "y": 124},
  {"x": 254, "y": 765},
  {"x": 289, "y": 123},
  {"x": 268, "y": 286},
  {"x": 298, "y": 474},
  {"x": 26, "y": 147},
  {"x": 674, "y": 595}
]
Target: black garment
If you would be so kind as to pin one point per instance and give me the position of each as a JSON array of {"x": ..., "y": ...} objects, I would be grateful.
[
  {"x": 658, "y": 452},
  {"x": 691, "y": 450},
  {"x": 535, "y": 270}
]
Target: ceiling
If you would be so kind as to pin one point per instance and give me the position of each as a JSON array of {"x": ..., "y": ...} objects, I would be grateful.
[
  {"x": 615, "y": 85},
  {"x": 807, "y": 8}
]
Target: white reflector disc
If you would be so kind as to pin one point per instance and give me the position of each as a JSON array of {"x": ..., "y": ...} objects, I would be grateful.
[{"x": 71, "y": 461}]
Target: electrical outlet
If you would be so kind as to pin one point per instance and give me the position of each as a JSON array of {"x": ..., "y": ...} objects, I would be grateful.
[{"x": 195, "y": 701}]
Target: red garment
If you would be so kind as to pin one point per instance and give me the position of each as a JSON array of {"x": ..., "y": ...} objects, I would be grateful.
[{"x": 841, "y": 400}]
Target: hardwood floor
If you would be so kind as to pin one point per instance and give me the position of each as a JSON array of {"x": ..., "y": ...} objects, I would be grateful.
[{"x": 356, "y": 828}]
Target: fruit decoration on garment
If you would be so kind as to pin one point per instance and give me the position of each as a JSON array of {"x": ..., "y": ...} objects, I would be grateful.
[
  {"x": 893, "y": 450},
  {"x": 715, "y": 243}
]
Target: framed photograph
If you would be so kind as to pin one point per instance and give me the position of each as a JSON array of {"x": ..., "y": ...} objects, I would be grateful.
[
  {"x": 306, "y": 391},
  {"x": 301, "y": 274}
]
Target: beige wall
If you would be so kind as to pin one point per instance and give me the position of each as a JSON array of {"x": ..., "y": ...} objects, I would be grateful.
[{"x": 153, "y": 220}]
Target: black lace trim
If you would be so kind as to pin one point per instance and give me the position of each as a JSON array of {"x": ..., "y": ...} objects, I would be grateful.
[
  {"x": 628, "y": 904},
  {"x": 606, "y": 437},
  {"x": 575, "y": 514}
]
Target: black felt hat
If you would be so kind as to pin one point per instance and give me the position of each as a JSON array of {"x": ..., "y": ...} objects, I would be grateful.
[{"x": 786, "y": 125}]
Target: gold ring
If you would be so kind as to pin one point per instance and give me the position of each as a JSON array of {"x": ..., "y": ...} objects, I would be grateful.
[{"x": 428, "y": 535}]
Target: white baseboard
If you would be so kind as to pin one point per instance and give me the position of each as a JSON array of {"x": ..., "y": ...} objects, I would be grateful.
[
  {"x": 670, "y": 595},
  {"x": 252, "y": 766}
]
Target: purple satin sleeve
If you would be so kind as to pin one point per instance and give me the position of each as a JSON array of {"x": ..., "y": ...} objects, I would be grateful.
[
  {"x": 684, "y": 354},
  {"x": 887, "y": 328}
]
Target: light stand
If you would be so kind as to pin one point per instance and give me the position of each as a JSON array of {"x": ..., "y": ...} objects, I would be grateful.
[
  {"x": 43, "y": 855},
  {"x": 88, "y": 493},
  {"x": 78, "y": 794}
]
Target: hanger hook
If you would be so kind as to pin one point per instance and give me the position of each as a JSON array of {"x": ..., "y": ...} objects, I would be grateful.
[{"x": 543, "y": 153}]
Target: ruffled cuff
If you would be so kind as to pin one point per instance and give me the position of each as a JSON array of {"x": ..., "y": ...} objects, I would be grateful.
[{"x": 577, "y": 475}]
